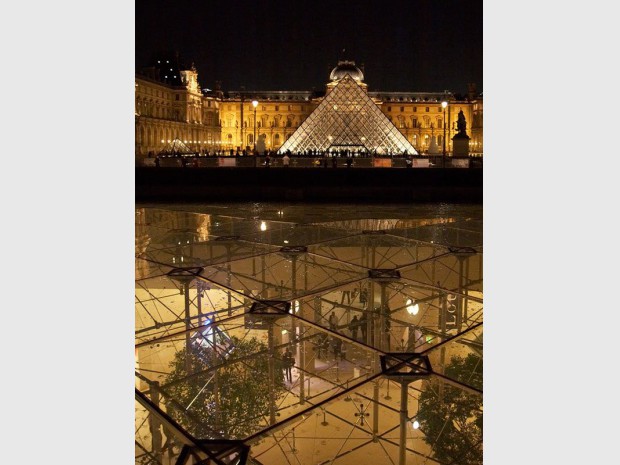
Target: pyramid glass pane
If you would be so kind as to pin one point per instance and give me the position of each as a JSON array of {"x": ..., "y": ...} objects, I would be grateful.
[{"x": 348, "y": 119}]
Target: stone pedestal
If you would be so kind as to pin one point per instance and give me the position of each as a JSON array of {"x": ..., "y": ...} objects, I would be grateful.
[{"x": 460, "y": 145}]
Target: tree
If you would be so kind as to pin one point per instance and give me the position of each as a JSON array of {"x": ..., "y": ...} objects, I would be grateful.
[
  {"x": 229, "y": 401},
  {"x": 450, "y": 418}
]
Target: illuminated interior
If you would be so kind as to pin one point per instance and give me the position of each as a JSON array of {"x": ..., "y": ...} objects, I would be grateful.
[{"x": 378, "y": 309}]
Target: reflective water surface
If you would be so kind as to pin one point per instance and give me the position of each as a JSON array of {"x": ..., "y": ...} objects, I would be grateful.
[{"x": 308, "y": 334}]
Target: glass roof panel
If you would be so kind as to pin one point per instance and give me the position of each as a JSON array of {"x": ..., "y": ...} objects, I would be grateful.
[{"x": 217, "y": 360}]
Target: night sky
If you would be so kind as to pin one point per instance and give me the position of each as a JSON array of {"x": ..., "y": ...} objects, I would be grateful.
[{"x": 276, "y": 45}]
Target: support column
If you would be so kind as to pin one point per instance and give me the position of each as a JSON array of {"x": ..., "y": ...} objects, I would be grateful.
[
  {"x": 375, "y": 411},
  {"x": 154, "y": 426},
  {"x": 404, "y": 397},
  {"x": 271, "y": 362},
  {"x": 228, "y": 280}
]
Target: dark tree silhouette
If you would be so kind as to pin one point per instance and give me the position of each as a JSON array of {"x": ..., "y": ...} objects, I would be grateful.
[
  {"x": 228, "y": 402},
  {"x": 450, "y": 418}
]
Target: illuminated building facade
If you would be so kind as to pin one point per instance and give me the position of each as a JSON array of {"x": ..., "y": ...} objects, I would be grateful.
[{"x": 170, "y": 104}]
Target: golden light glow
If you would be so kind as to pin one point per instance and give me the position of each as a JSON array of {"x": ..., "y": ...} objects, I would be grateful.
[{"x": 412, "y": 308}]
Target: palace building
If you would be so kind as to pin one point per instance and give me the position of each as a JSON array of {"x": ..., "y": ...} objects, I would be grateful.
[{"x": 170, "y": 104}]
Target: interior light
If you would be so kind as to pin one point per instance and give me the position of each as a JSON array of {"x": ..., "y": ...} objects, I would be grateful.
[
  {"x": 263, "y": 226},
  {"x": 412, "y": 308},
  {"x": 284, "y": 331}
]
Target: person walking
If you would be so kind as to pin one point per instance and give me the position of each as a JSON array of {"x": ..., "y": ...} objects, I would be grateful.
[
  {"x": 333, "y": 321},
  {"x": 286, "y": 160},
  {"x": 289, "y": 361},
  {"x": 337, "y": 348},
  {"x": 363, "y": 297},
  {"x": 353, "y": 327},
  {"x": 363, "y": 324}
]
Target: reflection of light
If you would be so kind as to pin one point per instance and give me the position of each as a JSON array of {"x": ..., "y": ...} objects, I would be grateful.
[
  {"x": 284, "y": 331},
  {"x": 415, "y": 424},
  {"x": 296, "y": 306},
  {"x": 412, "y": 308},
  {"x": 263, "y": 226}
]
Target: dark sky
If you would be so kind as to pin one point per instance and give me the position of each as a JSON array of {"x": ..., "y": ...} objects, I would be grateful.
[{"x": 411, "y": 45}]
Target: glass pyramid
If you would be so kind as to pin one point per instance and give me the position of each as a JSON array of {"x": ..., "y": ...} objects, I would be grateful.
[
  {"x": 348, "y": 119},
  {"x": 176, "y": 147},
  {"x": 220, "y": 300}
]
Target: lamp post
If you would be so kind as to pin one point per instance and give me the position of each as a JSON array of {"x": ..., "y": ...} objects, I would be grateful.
[
  {"x": 444, "y": 104},
  {"x": 254, "y": 104}
]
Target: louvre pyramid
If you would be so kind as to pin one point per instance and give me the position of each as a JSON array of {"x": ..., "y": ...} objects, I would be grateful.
[
  {"x": 176, "y": 147},
  {"x": 347, "y": 118}
]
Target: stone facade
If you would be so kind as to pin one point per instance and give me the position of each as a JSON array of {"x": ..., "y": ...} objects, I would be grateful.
[{"x": 217, "y": 121}]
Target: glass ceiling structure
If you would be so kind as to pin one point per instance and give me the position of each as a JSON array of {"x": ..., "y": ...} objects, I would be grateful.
[
  {"x": 348, "y": 119},
  {"x": 285, "y": 334}
]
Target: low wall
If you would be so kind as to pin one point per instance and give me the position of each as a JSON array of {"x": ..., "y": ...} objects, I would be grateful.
[{"x": 309, "y": 185}]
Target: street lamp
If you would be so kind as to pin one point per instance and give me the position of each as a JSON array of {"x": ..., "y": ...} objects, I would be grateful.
[
  {"x": 254, "y": 104},
  {"x": 444, "y": 104}
]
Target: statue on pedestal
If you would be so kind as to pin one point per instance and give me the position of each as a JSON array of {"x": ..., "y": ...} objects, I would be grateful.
[
  {"x": 460, "y": 142},
  {"x": 461, "y": 124}
]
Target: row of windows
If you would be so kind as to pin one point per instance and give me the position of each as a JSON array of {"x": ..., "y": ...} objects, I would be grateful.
[
  {"x": 270, "y": 108},
  {"x": 415, "y": 109}
]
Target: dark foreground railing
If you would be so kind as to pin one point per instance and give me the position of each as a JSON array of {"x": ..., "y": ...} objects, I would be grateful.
[{"x": 308, "y": 184}]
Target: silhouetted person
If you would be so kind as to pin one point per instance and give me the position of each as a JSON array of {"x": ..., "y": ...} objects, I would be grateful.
[
  {"x": 353, "y": 327},
  {"x": 363, "y": 323},
  {"x": 332, "y": 322},
  {"x": 289, "y": 361}
]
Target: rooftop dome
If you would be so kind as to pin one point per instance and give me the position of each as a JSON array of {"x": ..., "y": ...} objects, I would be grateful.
[{"x": 346, "y": 67}]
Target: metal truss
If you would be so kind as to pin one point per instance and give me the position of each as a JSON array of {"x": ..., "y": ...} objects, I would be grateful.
[{"x": 357, "y": 313}]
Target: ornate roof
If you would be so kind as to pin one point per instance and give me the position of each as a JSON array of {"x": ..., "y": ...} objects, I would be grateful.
[{"x": 346, "y": 68}]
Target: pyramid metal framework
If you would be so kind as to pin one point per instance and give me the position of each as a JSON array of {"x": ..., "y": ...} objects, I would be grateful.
[
  {"x": 217, "y": 310},
  {"x": 348, "y": 119}
]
